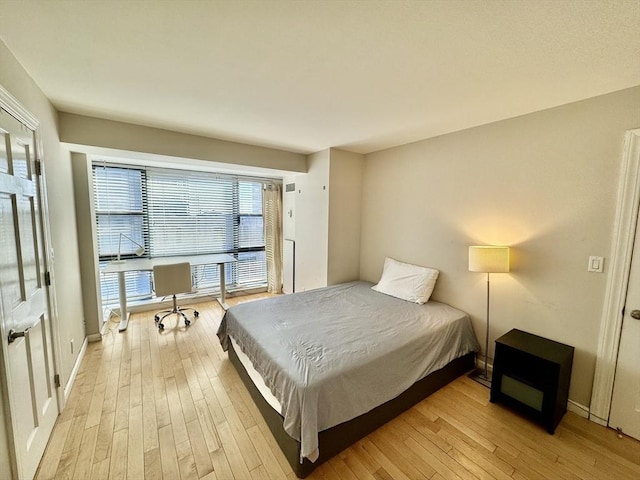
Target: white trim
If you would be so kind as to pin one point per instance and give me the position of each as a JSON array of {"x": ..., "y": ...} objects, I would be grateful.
[
  {"x": 96, "y": 337},
  {"x": 618, "y": 277},
  {"x": 52, "y": 297},
  {"x": 597, "y": 420},
  {"x": 11, "y": 104},
  {"x": 480, "y": 364},
  {"x": 74, "y": 372},
  {"x": 578, "y": 409}
]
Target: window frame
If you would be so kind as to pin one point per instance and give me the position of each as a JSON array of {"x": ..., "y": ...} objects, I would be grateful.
[{"x": 205, "y": 278}]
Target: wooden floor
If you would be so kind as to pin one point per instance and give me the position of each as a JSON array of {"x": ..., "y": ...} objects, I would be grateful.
[{"x": 154, "y": 405}]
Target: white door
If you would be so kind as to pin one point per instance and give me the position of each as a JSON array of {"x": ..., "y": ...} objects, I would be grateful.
[
  {"x": 625, "y": 403},
  {"x": 25, "y": 328}
]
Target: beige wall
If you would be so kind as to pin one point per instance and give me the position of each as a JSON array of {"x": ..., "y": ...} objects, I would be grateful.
[
  {"x": 66, "y": 276},
  {"x": 345, "y": 210},
  {"x": 78, "y": 130},
  {"x": 543, "y": 183},
  {"x": 88, "y": 244}
]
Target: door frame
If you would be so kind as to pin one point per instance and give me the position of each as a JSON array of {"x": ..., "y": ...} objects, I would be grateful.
[
  {"x": 10, "y": 104},
  {"x": 624, "y": 230}
]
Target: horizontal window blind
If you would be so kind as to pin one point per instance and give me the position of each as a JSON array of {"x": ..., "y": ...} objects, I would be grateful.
[
  {"x": 120, "y": 210},
  {"x": 178, "y": 212},
  {"x": 190, "y": 213},
  {"x": 120, "y": 206}
]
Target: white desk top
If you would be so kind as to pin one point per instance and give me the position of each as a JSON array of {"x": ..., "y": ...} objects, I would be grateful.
[{"x": 141, "y": 264}]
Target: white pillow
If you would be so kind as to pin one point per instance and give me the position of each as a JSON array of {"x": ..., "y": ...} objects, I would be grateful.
[{"x": 408, "y": 282}]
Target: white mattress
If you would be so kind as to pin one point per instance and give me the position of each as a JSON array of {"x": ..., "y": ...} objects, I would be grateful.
[{"x": 256, "y": 378}]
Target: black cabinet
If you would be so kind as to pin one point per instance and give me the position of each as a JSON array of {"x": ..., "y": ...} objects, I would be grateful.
[{"x": 532, "y": 374}]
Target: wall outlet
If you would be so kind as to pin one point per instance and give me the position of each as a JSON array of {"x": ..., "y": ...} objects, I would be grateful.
[{"x": 595, "y": 264}]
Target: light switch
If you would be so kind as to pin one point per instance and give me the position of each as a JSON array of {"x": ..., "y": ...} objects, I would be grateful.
[{"x": 595, "y": 264}]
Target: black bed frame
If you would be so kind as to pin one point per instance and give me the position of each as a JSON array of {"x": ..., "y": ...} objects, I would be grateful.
[{"x": 336, "y": 439}]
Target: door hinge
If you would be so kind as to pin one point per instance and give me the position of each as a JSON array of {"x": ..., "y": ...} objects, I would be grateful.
[
  {"x": 38, "y": 167},
  {"x": 56, "y": 380},
  {"x": 47, "y": 279}
]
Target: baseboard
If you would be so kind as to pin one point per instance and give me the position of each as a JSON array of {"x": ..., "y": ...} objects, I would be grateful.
[
  {"x": 480, "y": 365},
  {"x": 578, "y": 409},
  {"x": 74, "y": 372},
  {"x": 598, "y": 420},
  {"x": 94, "y": 337}
]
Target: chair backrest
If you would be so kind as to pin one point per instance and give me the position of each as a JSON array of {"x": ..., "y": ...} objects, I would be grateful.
[{"x": 172, "y": 279}]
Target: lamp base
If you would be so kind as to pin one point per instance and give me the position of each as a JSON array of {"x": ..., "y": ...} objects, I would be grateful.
[{"x": 478, "y": 376}]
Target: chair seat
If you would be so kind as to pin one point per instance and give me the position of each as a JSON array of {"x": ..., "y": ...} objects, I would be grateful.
[{"x": 172, "y": 279}]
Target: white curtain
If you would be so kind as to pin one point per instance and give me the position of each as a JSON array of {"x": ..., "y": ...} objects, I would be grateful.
[{"x": 272, "y": 217}]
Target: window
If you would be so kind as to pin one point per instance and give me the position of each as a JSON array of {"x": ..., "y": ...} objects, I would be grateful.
[
  {"x": 176, "y": 212},
  {"x": 120, "y": 209}
]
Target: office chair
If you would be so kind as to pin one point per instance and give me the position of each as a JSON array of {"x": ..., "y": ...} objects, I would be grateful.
[{"x": 171, "y": 280}]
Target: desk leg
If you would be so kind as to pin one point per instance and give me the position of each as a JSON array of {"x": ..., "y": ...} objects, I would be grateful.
[
  {"x": 223, "y": 288},
  {"x": 124, "y": 315}
]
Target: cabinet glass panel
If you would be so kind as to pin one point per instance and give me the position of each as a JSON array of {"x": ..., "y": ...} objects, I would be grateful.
[{"x": 522, "y": 392}]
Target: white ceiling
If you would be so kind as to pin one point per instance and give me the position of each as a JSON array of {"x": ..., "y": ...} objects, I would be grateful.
[{"x": 307, "y": 75}]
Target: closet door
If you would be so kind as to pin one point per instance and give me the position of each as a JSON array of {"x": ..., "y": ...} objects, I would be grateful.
[{"x": 25, "y": 327}]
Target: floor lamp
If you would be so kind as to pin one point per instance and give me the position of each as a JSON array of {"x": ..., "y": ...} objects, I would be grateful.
[{"x": 487, "y": 259}]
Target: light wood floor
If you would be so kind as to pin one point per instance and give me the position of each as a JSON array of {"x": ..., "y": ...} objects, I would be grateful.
[{"x": 169, "y": 405}]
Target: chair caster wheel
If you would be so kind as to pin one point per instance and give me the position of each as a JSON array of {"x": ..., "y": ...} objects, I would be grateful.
[
  {"x": 196, "y": 313},
  {"x": 160, "y": 326},
  {"x": 187, "y": 322}
]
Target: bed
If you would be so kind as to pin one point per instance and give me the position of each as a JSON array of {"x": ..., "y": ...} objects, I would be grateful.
[{"x": 328, "y": 366}]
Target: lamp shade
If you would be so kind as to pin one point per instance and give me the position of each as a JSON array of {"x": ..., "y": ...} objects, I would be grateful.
[{"x": 489, "y": 259}]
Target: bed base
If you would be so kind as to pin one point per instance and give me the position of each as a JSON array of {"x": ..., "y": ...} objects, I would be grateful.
[{"x": 335, "y": 439}]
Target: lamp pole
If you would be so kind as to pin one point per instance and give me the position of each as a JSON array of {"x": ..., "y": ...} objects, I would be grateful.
[
  {"x": 487, "y": 259},
  {"x": 486, "y": 340}
]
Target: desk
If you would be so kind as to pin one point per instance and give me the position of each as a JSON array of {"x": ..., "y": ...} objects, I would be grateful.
[{"x": 147, "y": 264}]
